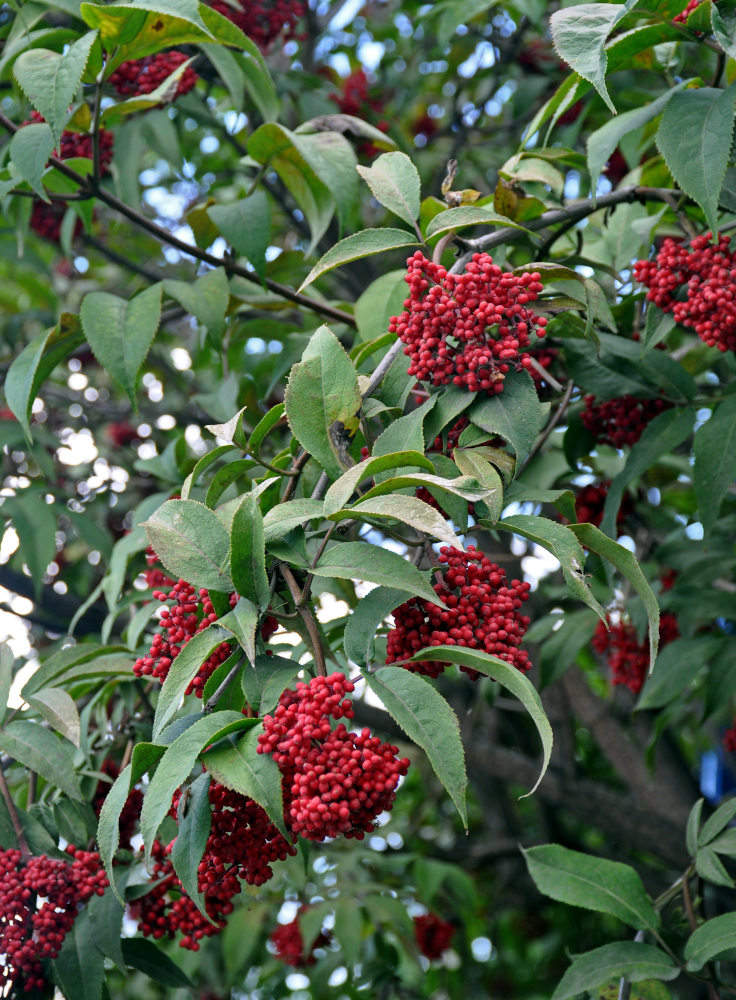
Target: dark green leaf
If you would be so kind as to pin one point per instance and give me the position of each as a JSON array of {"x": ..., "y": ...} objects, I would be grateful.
[
  {"x": 265, "y": 680},
  {"x": 246, "y": 225},
  {"x": 144, "y": 955},
  {"x": 106, "y": 917},
  {"x": 6, "y": 677},
  {"x": 41, "y": 751},
  {"x": 35, "y": 523},
  {"x": 248, "y": 553},
  {"x": 363, "y": 623},
  {"x": 693, "y": 824},
  {"x": 516, "y": 413},
  {"x": 723, "y": 22},
  {"x": 362, "y": 561},
  {"x": 363, "y": 244},
  {"x": 394, "y": 182},
  {"x": 59, "y": 709},
  {"x": 206, "y": 299},
  {"x": 192, "y": 544},
  {"x": 30, "y": 148},
  {"x": 710, "y": 867},
  {"x": 429, "y": 721},
  {"x": 715, "y": 461},
  {"x": 711, "y": 939},
  {"x": 194, "y": 829},
  {"x": 79, "y": 967},
  {"x": 677, "y": 667},
  {"x": 631, "y": 959},
  {"x": 717, "y": 822},
  {"x": 258, "y": 81}
]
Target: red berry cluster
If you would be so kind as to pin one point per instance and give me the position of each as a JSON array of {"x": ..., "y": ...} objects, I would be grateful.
[
  {"x": 353, "y": 99},
  {"x": 622, "y": 421},
  {"x": 242, "y": 845},
  {"x": 590, "y": 501},
  {"x": 128, "y": 822},
  {"x": 289, "y": 944},
  {"x": 468, "y": 329},
  {"x": 334, "y": 781},
  {"x": 729, "y": 739},
  {"x": 433, "y": 934},
  {"x": 481, "y": 612},
  {"x": 143, "y": 76},
  {"x": 122, "y": 433},
  {"x": 627, "y": 657},
  {"x": 191, "y": 612},
  {"x": 707, "y": 274},
  {"x": 262, "y": 20},
  {"x": 682, "y": 17},
  {"x": 39, "y": 902}
]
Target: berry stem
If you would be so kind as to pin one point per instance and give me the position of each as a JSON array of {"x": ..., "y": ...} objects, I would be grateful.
[
  {"x": 14, "y": 818},
  {"x": 554, "y": 421},
  {"x": 308, "y": 618}
]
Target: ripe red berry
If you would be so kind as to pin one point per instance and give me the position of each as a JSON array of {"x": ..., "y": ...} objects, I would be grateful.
[
  {"x": 620, "y": 422},
  {"x": 627, "y": 657},
  {"x": 143, "y": 76},
  {"x": 262, "y": 20},
  {"x": 289, "y": 944},
  {"x": 433, "y": 934}
]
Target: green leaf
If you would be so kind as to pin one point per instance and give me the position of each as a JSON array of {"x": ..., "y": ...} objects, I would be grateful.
[
  {"x": 35, "y": 523},
  {"x": 661, "y": 435},
  {"x": 381, "y": 300},
  {"x": 625, "y": 562},
  {"x": 710, "y": 867},
  {"x": 363, "y": 244},
  {"x": 715, "y": 461},
  {"x": 106, "y": 916},
  {"x": 394, "y": 182},
  {"x": 191, "y": 840},
  {"x": 516, "y": 413},
  {"x": 717, "y": 822},
  {"x": 564, "y": 546},
  {"x": 183, "y": 669},
  {"x": 177, "y": 762},
  {"x": 58, "y": 708},
  {"x": 694, "y": 137},
  {"x": 622, "y": 368},
  {"x": 505, "y": 675},
  {"x": 603, "y": 141},
  {"x": 108, "y": 827},
  {"x": 693, "y": 824},
  {"x": 468, "y": 215},
  {"x": 242, "y": 622},
  {"x": 362, "y": 625},
  {"x": 282, "y": 518},
  {"x": 120, "y": 332},
  {"x": 711, "y": 939},
  {"x": 322, "y": 401},
  {"x": 342, "y": 489},
  {"x": 227, "y": 68},
  {"x": 361, "y": 561},
  {"x": 266, "y": 679},
  {"x": 592, "y": 883},
  {"x": 246, "y": 225},
  {"x": 40, "y": 751},
  {"x": 36, "y": 362},
  {"x": 258, "y": 81},
  {"x": 79, "y": 968},
  {"x": 248, "y": 553},
  {"x": 50, "y": 80},
  {"x": 192, "y": 544},
  {"x": 428, "y": 720},
  {"x": 676, "y": 669},
  {"x": 410, "y": 510},
  {"x": 725, "y": 843},
  {"x": 579, "y": 34},
  {"x": 256, "y": 775},
  {"x": 472, "y": 462},
  {"x": 723, "y": 22},
  {"x": 30, "y": 148},
  {"x": 631, "y": 960},
  {"x": 334, "y": 159},
  {"x": 6, "y": 677},
  {"x": 462, "y": 486},
  {"x": 206, "y": 299},
  {"x": 348, "y": 930},
  {"x": 289, "y": 155},
  {"x": 144, "y": 955}
]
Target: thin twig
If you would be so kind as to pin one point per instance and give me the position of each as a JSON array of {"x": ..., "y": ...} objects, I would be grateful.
[
  {"x": 14, "y": 819},
  {"x": 220, "y": 691},
  {"x": 308, "y": 618},
  {"x": 541, "y": 370}
]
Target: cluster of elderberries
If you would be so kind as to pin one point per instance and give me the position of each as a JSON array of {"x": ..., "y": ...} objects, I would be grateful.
[
  {"x": 590, "y": 501},
  {"x": 142, "y": 76},
  {"x": 481, "y": 611},
  {"x": 620, "y": 422},
  {"x": 707, "y": 274},
  {"x": 468, "y": 329},
  {"x": 131, "y": 811},
  {"x": 289, "y": 944},
  {"x": 433, "y": 934},
  {"x": 39, "y": 901},
  {"x": 354, "y": 99},
  {"x": 335, "y": 782},
  {"x": 242, "y": 845},
  {"x": 46, "y": 218},
  {"x": 627, "y": 657},
  {"x": 692, "y": 5},
  {"x": 262, "y": 20}
]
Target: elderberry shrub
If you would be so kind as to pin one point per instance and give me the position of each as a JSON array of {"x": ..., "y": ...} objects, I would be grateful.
[
  {"x": 627, "y": 657},
  {"x": 620, "y": 422},
  {"x": 467, "y": 329},
  {"x": 142, "y": 76},
  {"x": 433, "y": 934},
  {"x": 481, "y": 612},
  {"x": 335, "y": 782},
  {"x": 40, "y": 898},
  {"x": 706, "y": 273}
]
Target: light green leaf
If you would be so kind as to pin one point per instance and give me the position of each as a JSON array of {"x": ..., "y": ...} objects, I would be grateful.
[
  {"x": 120, "y": 332},
  {"x": 717, "y": 822},
  {"x": 258, "y": 81},
  {"x": 246, "y": 225},
  {"x": 579, "y": 34},
  {"x": 693, "y": 824},
  {"x": 341, "y": 491},
  {"x": 227, "y": 68},
  {"x": 30, "y": 148},
  {"x": 473, "y": 462},
  {"x": 280, "y": 519},
  {"x": 191, "y": 543},
  {"x": 710, "y": 867},
  {"x": 711, "y": 939},
  {"x": 468, "y": 215},
  {"x": 206, "y": 299},
  {"x": 516, "y": 413},
  {"x": 723, "y": 21},
  {"x": 694, "y": 137},
  {"x": 361, "y": 561},
  {"x": 363, "y": 244},
  {"x": 428, "y": 720},
  {"x": 248, "y": 553},
  {"x": 58, "y": 708},
  {"x": 322, "y": 402},
  {"x": 6, "y": 677},
  {"x": 381, "y": 300},
  {"x": 41, "y": 751},
  {"x": 364, "y": 622},
  {"x": 629, "y": 959},
  {"x": 394, "y": 182},
  {"x": 194, "y": 830},
  {"x": 410, "y": 510},
  {"x": 592, "y": 883}
]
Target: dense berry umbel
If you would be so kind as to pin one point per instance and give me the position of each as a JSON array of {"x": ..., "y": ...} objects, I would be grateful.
[
  {"x": 433, "y": 934},
  {"x": 241, "y": 847},
  {"x": 335, "y": 782},
  {"x": 481, "y": 611},
  {"x": 627, "y": 657},
  {"x": 262, "y": 20},
  {"x": 142, "y": 76},
  {"x": 289, "y": 944},
  {"x": 706, "y": 273},
  {"x": 468, "y": 329},
  {"x": 620, "y": 422},
  {"x": 39, "y": 902}
]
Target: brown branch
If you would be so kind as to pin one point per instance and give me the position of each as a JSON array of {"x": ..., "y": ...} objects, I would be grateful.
[
  {"x": 307, "y": 617},
  {"x": 14, "y": 819}
]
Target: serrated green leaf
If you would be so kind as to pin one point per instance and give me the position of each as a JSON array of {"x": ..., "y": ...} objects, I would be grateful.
[
  {"x": 713, "y": 938},
  {"x": 248, "y": 553},
  {"x": 30, "y": 149},
  {"x": 282, "y": 518},
  {"x": 468, "y": 215},
  {"x": 579, "y": 34},
  {"x": 363, "y": 244},
  {"x": 592, "y": 883},
  {"x": 41, "y": 751},
  {"x": 58, "y": 708},
  {"x": 191, "y": 840},
  {"x": 410, "y": 510},
  {"x": 632, "y": 960},
  {"x": 710, "y": 867},
  {"x": 361, "y": 561},
  {"x": 516, "y": 413},
  {"x": 120, "y": 332},
  {"x": 394, "y": 182},
  {"x": 342, "y": 489},
  {"x": 191, "y": 543},
  {"x": 428, "y": 720},
  {"x": 246, "y": 225}
]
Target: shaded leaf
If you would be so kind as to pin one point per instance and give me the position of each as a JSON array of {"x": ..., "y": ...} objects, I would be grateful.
[
  {"x": 631, "y": 959},
  {"x": 394, "y": 182}
]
